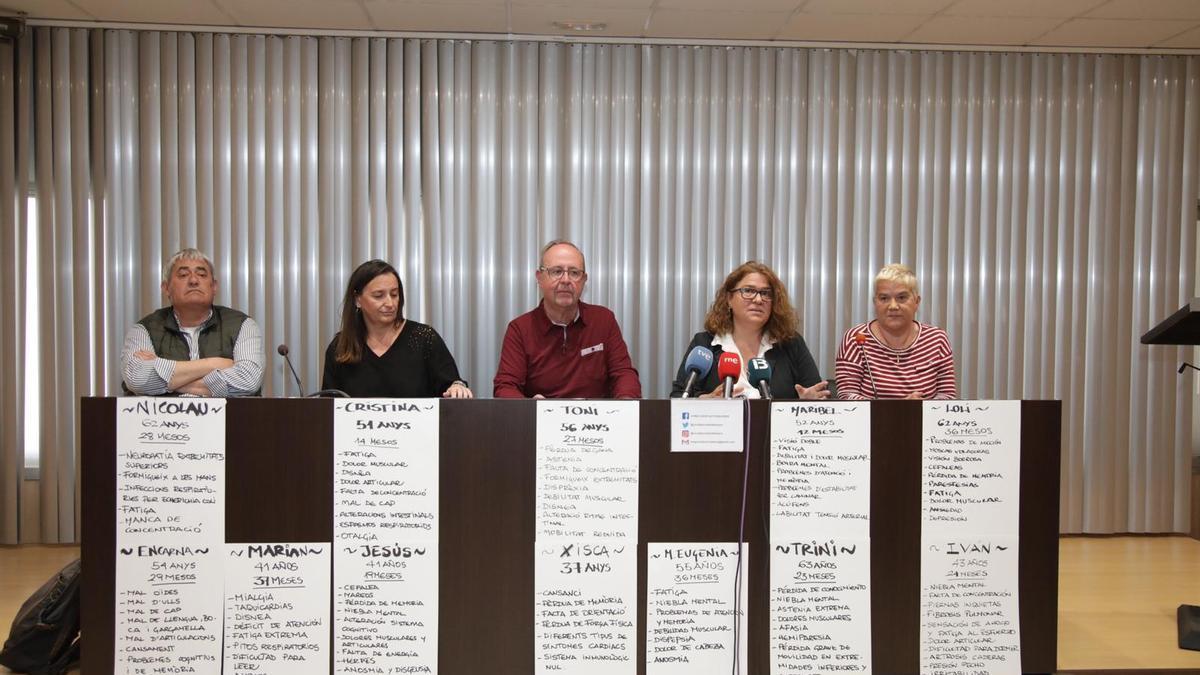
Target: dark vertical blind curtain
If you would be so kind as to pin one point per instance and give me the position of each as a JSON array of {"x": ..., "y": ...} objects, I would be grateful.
[{"x": 1047, "y": 202}]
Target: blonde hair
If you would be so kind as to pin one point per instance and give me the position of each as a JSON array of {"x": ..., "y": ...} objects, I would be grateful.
[{"x": 900, "y": 274}]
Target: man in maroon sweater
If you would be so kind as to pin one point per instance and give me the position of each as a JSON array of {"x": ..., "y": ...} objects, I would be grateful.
[{"x": 564, "y": 348}]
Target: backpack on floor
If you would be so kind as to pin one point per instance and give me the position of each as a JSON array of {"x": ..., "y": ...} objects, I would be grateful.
[{"x": 44, "y": 638}]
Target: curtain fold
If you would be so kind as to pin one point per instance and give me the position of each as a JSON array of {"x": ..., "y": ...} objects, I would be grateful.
[
  {"x": 1046, "y": 201},
  {"x": 12, "y": 280}
]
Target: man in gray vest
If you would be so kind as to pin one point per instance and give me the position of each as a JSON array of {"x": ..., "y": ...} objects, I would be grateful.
[{"x": 193, "y": 347}]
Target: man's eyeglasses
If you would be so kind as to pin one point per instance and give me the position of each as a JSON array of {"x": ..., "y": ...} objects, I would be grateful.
[
  {"x": 556, "y": 273},
  {"x": 749, "y": 292}
]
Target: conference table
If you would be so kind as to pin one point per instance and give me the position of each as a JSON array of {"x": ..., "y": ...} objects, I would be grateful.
[{"x": 279, "y": 477}]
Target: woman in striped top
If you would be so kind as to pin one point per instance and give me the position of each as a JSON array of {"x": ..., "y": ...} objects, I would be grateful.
[{"x": 895, "y": 356}]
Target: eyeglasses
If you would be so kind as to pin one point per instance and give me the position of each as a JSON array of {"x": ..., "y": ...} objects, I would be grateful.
[
  {"x": 556, "y": 273},
  {"x": 749, "y": 293}
]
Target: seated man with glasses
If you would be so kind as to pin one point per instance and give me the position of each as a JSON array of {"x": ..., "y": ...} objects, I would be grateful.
[{"x": 564, "y": 348}]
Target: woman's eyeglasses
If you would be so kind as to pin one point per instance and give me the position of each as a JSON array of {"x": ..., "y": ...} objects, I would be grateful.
[{"x": 749, "y": 293}]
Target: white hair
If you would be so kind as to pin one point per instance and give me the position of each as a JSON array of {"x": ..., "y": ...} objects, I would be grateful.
[{"x": 187, "y": 254}]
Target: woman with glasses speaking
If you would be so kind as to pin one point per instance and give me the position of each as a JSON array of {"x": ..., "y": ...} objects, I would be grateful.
[{"x": 751, "y": 316}]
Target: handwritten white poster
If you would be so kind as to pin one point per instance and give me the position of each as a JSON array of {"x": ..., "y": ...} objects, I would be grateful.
[
  {"x": 821, "y": 606},
  {"x": 168, "y": 615},
  {"x": 970, "y": 508},
  {"x": 970, "y": 622},
  {"x": 170, "y": 533},
  {"x": 386, "y": 608},
  {"x": 385, "y": 529},
  {"x": 277, "y": 609},
  {"x": 696, "y": 608},
  {"x": 585, "y": 608},
  {"x": 385, "y": 471},
  {"x": 971, "y": 467},
  {"x": 707, "y": 425},
  {"x": 820, "y": 469},
  {"x": 587, "y": 470}
]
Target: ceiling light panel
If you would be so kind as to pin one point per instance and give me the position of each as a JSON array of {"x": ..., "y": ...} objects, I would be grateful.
[
  {"x": 952, "y": 30},
  {"x": 875, "y": 6},
  {"x": 1110, "y": 33},
  {"x": 850, "y": 27},
  {"x": 1147, "y": 9},
  {"x": 201, "y": 12},
  {"x": 1062, "y": 9},
  {"x": 437, "y": 17},
  {"x": 318, "y": 14},
  {"x": 674, "y": 23}
]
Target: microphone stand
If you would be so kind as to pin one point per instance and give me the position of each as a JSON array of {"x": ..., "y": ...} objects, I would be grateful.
[{"x": 284, "y": 351}]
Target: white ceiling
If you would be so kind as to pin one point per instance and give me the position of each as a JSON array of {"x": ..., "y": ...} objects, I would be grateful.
[{"x": 1103, "y": 24}]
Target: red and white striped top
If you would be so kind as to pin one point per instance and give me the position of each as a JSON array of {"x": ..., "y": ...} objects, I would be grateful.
[{"x": 926, "y": 366}]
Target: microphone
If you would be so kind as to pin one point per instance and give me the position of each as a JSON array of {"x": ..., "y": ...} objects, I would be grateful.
[
  {"x": 1185, "y": 364},
  {"x": 729, "y": 369},
  {"x": 284, "y": 351},
  {"x": 697, "y": 365},
  {"x": 759, "y": 373},
  {"x": 861, "y": 340}
]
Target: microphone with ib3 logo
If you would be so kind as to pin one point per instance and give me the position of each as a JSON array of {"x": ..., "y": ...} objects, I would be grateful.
[{"x": 758, "y": 372}]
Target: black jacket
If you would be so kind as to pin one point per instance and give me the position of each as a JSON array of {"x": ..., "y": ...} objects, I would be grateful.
[{"x": 791, "y": 364}]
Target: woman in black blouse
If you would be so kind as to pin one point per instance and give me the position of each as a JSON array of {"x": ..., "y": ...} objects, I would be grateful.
[{"x": 379, "y": 353}]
